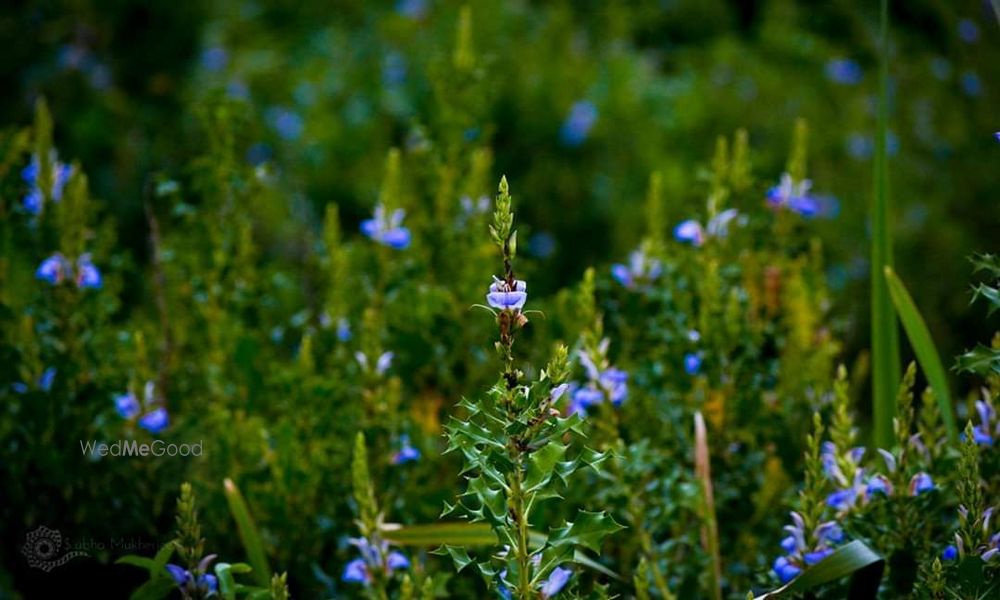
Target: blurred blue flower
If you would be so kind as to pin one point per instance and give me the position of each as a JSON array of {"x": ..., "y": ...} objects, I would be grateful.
[
  {"x": 615, "y": 382},
  {"x": 920, "y": 484},
  {"x": 640, "y": 268},
  {"x": 47, "y": 379},
  {"x": 971, "y": 84},
  {"x": 343, "y": 329},
  {"x": 54, "y": 269},
  {"x": 556, "y": 582},
  {"x": 878, "y": 485},
  {"x": 785, "y": 569},
  {"x": 87, "y": 274},
  {"x": 693, "y": 233},
  {"x": 387, "y": 229},
  {"x": 692, "y": 363},
  {"x": 397, "y": 560},
  {"x": 393, "y": 69},
  {"x": 407, "y": 453},
  {"x": 155, "y": 421},
  {"x": 988, "y": 424},
  {"x": 287, "y": 123},
  {"x": 860, "y": 146},
  {"x": 34, "y": 199},
  {"x": 413, "y": 9},
  {"x": 214, "y": 59},
  {"x": 793, "y": 196},
  {"x": 844, "y": 71},
  {"x": 968, "y": 31},
  {"x": 182, "y": 576},
  {"x": 950, "y": 552},
  {"x": 504, "y": 297},
  {"x": 576, "y": 127},
  {"x": 356, "y": 571},
  {"x": 841, "y": 500},
  {"x": 127, "y": 405},
  {"x": 583, "y": 398}
]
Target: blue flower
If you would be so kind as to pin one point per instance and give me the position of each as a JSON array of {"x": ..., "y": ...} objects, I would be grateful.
[
  {"x": 182, "y": 576},
  {"x": 829, "y": 533},
  {"x": 214, "y": 59},
  {"x": 878, "y": 485},
  {"x": 54, "y": 269},
  {"x": 812, "y": 558},
  {"x": 968, "y": 31},
  {"x": 179, "y": 574},
  {"x": 584, "y": 398},
  {"x": 383, "y": 363},
  {"x": 155, "y": 421},
  {"x": 691, "y": 231},
  {"x": 127, "y": 405},
  {"x": 920, "y": 484},
  {"x": 842, "y": 500},
  {"x": 614, "y": 381},
  {"x": 407, "y": 453},
  {"x": 793, "y": 196},
  {"x": 505, "y": 297},
  {"x": 47, "y": 379},
  {"x": 396, "y": 560},
  {"x": 692, "y": 363},
  {"x": 785, "y": 569},
  {"x": 844, "y": 71},
  {"x": 414, "y": 9},
  {"x": 287, "y": 123},
  {"x": 576, "y": 127},
  {"x": 34, "y": 199},
  {"x": 387, "y": 229},
  {"x": 87, "y": 275},
  {"x": 640, "y": 268},
  {"x": 789, "y": 544},
  {"x": 971, "y": 84},
  {"x": 343, "y": 330},
  {"x": 556, "y": 582},
  {"x": 557, "y": 392},
  {"x": 950, "y": 552},
  {"x": 356, "y": 571}
]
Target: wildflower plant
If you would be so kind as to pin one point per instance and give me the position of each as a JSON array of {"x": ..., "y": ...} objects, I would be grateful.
[{"x": 513, "y": 444}]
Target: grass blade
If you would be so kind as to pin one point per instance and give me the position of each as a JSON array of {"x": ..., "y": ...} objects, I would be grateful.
[
  {"x": 885, "y": 335},
  {"x": 923, "y": 347},
  {"x": 856, "y": 559},
  {"x": 710, "y": 529},
  {"x": 248, "y": 533}
]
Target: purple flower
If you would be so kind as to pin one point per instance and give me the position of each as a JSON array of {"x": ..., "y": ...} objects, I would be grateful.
[
  {"x": 793, "y": 196},
  {"x": 60, "y": 175},
  {"x": 920, "y": 484},
  {"x": 505, "y": 297},
  {"x": 383, "y": 363},
  {"x": 844, "y": 71},
  {"x": 396, "y": 560},
  {"x": 785, "y": 569},
  {"x": 842, "y": 500},
  {"x": 182, "y": 577},
  {"x": 557, "y": 392},
  {"x": 47, "y": 379},
  {"x": 127, "y": 405},
  {"x": 387, "y": 229},
  {"x": 691, "y": 231},
  {"x": 556, "y": 582},
  {"x": 87, "y": 275},
  {"x": 356, "y": 571},
  {"x": 878, "y": 485},
  {"x": 576, "y": 127},
  {"x": 179, "y": 574},
  {"x": 812, "y": 558},
  {"x": 155, "y": 421},
  {"x": 639, "y": 268},
  {"x": 406, "y": 453},
  {"x": 584, "y": 398},
  {"x": 53, "y": 269},
  {"x": 692, "y": 363},
  {"x": 829, "y": 533},
  {"x": 950, "y": 552},
  {"x": 614, "y": 381}
]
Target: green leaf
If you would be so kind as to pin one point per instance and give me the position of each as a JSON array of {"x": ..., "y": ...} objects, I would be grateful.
[
  {"x": 227, "y": 585},
  {"x": 163, "y": 556},
  {"x": 885, "y": 335},
  {"x": 980, "y": 360},
  {"x": 542, "y": 464},
  {"x": 855, "y": 559},
  {"x": 248, "y": 533},
  {"x": 587, "y": 530},
  {"x": 440, "y": 534},
  {"x": 457, "y": 554},
  {"x": 923, "y": 347},
  {"x": 991, "y": 294},
  {"x": 142, "y": 562}
]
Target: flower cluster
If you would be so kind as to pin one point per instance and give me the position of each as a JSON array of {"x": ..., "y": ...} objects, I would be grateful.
[
  {"x": 804, "y": 548},
  {"x": 35, "y": 198},
  {"x": 604, "y": 381},
  {"x": 989, "y": 426},
  {"x": 640, "y": 268},
  {"x": 692, "y": 232},
  {"x": 987, "y": 551},
  {"x": 154, "y": 418},
  {"x": 387, "y": 228},
  {"x": 206, "y": 583},
  {"x": 858, "y": 488},
  {"x": 57, "y": 268},
  {"x": 793, "y": 196},
  {"x": 375, "y": 558}
]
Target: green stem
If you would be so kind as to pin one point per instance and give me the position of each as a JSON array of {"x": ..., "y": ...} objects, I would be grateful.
[{"x": 523, "y": 554}]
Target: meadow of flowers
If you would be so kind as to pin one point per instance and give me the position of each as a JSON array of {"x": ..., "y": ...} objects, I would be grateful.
[{"x": 424, "y": 300}]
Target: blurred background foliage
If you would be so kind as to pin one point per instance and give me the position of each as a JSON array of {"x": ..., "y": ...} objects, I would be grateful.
[{"x": 217, "y": 136}]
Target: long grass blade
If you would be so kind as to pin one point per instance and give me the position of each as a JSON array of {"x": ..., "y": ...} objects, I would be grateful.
[
  {"x": 885, "y": 334},
  {"x": 710, "y": 529},
  {"x": 248, "y": 533},
  {"x": 923, "y": 347}
]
